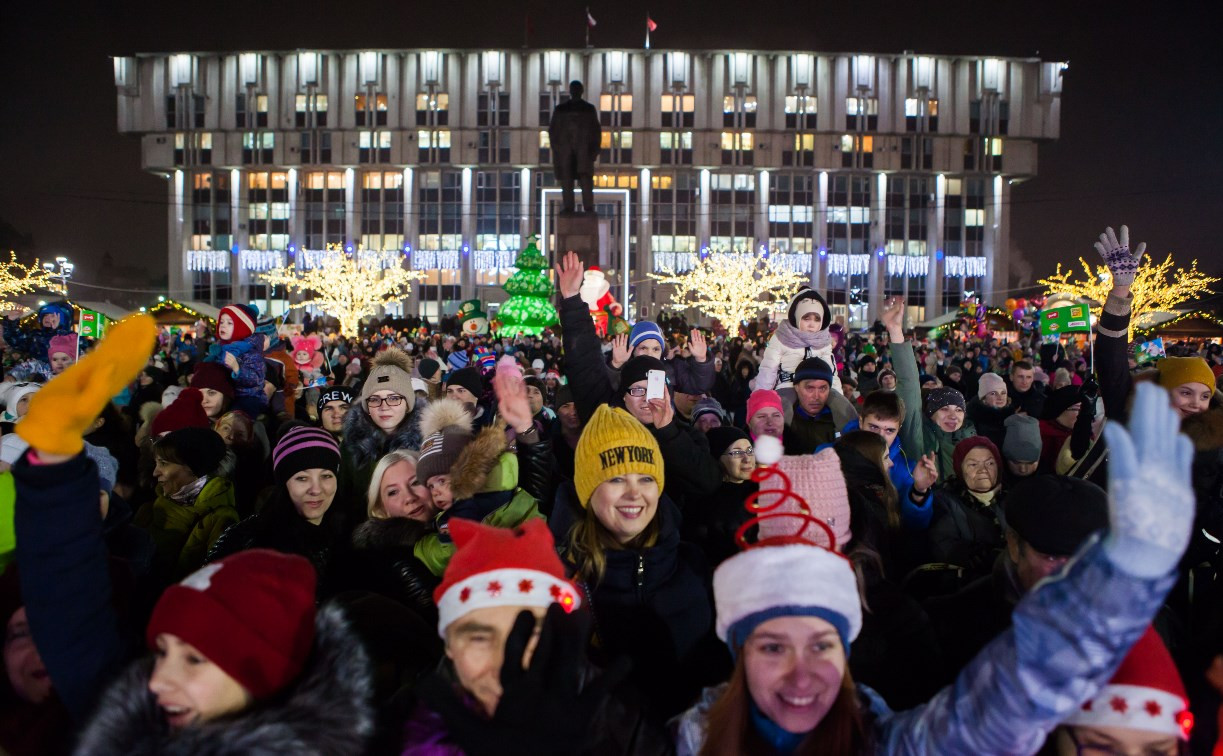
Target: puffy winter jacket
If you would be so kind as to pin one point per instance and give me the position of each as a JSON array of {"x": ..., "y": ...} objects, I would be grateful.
[{"x": 184, "y": 532}]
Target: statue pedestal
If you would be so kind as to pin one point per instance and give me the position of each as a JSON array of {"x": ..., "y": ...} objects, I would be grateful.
[{"x": 578, "y": 233}]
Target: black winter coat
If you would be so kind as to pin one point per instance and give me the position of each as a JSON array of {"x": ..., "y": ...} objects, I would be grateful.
[
  {"x": 383, "y": 562},
  {"x": 364, "y": 444},
  {"x": 711, "y": 524},
  {"x": 656, "y": 606},
  {"x": 325, "y": 712},
  {"x": 964, "y": 531},
  {"x": 989, "y": 421}
]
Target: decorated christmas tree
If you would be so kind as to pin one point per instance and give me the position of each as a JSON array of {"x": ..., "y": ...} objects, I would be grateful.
[{"x": 529, "y": 309}]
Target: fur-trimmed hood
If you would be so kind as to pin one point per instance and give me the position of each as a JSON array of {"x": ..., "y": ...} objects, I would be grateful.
[
  {"x": 365, "y": 443},
  {"x": 470, "y": 473},
  {"x": 326, "y": 712},
  {"x": 1206, "y": 429},
  {"x": 388, "y": 533}
]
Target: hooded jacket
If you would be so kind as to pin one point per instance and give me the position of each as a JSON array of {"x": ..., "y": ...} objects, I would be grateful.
[
  {"x": 789, "y": 346},
  {"x": 364, "y": 444},
  {"x": 326, "y": 711},
  {"x": 36, "y": 340},
  {"x": 184, "y": 533}
]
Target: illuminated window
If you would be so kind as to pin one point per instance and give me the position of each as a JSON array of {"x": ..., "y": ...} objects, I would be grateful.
[
  {"x": 257, "y": 147},
  {"x": 363, "y": 106},
  {"x": 202, "y": 181},
  {"x": 244, "y": 118},
  {"x": 615, "y": 181},
  {"x": 432, "y": 109},
  {"x": 434, "y": 145},
  {"x": 677, "y": 110},
  {"x": 374, "y": 147},
  {"x": 739, "y": 112},
  {"x": 913, "y": 114},
  {"x": 862, "y": 113},
  {"x": 732, "y": 140},
  {"x": 974, "y": 217},
  {"x": 995, "y": 147},
  {"x": 616, "y": 109},
  {"x": 675, "y": 140}
]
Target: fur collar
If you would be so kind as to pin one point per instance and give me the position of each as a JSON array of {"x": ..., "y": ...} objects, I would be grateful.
[
  {"x": 470, "y": 471},
  {"x": 326, "y": 712},
  {"x": 365, "y": 443},
  {"x": 388, "y": 533},
  {"x": 791, "y": 337},
  {"x": 1206, "y": 429}
]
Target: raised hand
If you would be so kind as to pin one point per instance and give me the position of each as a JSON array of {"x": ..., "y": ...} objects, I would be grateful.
[
  {"x": 1117, "y": 257},
  {"x": 925, "y": 473},
  {"x": 697, "y": 345},
  {"x": 569, "y": 273},
  {"x": 662, "y": 410},
  {"x": 512, "y": 403},
  {"x": 893, "y": 317},
  {"x": 620, "y": 351},
  {"x": 1151, "y": 501}
]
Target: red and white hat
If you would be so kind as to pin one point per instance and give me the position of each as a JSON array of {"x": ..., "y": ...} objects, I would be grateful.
[
  {"x": 244, "y": 320},
  {"x": 1145, "y": 694},
  {"x": 501, "y": 567}
]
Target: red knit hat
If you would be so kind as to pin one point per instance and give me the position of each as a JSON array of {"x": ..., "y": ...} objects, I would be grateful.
[
  {"x": 967, "y": 445},
  {"x": 244, "y": 320},
  {"x": 501, "y": 567},
  {"x": 213, "y": 375},
  {"x": 251, "y": 614},
  {"x": 186, "y": 411},
  {"x": 1145, "y": 694},
  {"x": 761, "y": 398}
]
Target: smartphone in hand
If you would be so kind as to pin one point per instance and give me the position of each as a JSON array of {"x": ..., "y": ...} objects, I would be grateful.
[{"x": 656, "y": 381}]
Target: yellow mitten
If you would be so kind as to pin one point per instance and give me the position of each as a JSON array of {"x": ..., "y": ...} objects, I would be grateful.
[{"x": 63, "y": 409}]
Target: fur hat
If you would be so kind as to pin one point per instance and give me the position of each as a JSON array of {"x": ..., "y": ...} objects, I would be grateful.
[
  {"x": 807, "y": 300},
  {"x": 390, "y": 369},
  {"x": 494, "y": 567},
  {"x": 445, "y": 428},
  {"x": 1146, "y": 694},
  {"x": 251, "y": 614},
  {"x": 614, "y": 443}
]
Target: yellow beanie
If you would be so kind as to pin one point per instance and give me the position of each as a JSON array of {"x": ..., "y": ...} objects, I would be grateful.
[
  {"x": 1177, "y": 371},
  {"x": 613, "y": 443}
]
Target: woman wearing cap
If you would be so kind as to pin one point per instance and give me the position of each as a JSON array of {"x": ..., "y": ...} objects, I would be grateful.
[
  {"x": 648, "y": 591},
  {"x": 305, "y": 516},
  {"x": 965, "y": 529},
  {"x": 381, "y": 421},
  {"x": 242, "y": 660},
  {"x": 789, "y": 611},
  {"x": 400, "y": 512},
  {"x": 712, "y": 525},
  {"x": 194, "y": 504},
  {"x": 216, "y": 387}
]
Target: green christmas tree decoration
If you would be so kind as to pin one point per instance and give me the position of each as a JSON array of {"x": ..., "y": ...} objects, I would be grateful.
[{"x": 529, "y": 309}]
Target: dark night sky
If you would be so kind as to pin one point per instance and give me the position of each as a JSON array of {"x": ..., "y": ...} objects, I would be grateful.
[{"x": 1141, "y": 118}]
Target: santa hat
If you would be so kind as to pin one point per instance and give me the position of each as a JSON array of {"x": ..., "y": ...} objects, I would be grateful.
[
  {"x": 244, "y": 317},
  {"x": 501, "y": 567},
  {"x": 1145, "y": 694},
  {"x": 251, "y": 614},
  {"x": 788, "y": 572}
]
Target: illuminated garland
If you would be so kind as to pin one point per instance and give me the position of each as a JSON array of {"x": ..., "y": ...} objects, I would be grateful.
[
  {"x": 729, "y": 286},
  {"x": 17, "y": 279},
  {"x": 170, "y": 304},
  {"x": 1198, "y": 314}
]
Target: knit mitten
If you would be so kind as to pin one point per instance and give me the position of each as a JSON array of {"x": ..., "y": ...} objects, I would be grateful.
[
  {"x": 1116, "y": 255},
  {"x": 65, "y": 408},
  {"x": 1151, "y": 502}
]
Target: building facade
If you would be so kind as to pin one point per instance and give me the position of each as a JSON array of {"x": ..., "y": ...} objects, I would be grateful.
[{"x": 874, "y": 174}]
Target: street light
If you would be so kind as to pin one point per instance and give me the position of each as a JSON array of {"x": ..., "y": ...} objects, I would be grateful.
[{"x": 63, "y": 268}]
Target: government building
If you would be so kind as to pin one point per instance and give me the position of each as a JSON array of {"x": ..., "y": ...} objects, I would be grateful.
[{"x": 873, "y": 174}]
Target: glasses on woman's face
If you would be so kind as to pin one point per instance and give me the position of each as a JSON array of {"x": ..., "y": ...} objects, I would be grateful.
[
  {"x": 737, "y": 454},
  {"x": 374, "y": 402}
]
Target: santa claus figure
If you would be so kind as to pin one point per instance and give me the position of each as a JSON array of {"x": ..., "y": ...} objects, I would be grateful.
[{"x": 596, "y": 293}]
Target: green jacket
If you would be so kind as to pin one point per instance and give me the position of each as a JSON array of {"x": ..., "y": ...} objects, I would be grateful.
[
  {"x": 182, "y": 533},
  {"x": 8, "y": 534},
  {"x": 918, "y": 433},
  {"x": 436, "y": 555}
]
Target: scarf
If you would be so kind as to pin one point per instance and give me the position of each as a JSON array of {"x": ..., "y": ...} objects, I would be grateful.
[{"x": 791, "y": 337}]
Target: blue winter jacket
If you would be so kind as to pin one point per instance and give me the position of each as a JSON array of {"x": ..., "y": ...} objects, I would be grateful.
[
  {"x": 1068, "y": 637},
  {"x": 252, "y": 370},
  {"x": 912, "y": 516}
]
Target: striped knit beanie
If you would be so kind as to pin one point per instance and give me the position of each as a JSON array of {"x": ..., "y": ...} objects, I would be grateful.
[
  {"x": 304, "y": 448},
  {"x": 245, "y": 320}
]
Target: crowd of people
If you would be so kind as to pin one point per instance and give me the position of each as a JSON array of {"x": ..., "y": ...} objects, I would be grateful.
[{"x": 801, "y": 541}]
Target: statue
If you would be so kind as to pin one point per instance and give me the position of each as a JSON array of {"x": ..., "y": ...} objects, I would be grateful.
[{"x": 575, "y": 136}]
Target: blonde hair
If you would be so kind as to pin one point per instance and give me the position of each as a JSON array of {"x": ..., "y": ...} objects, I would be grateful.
[{"x": 373, "y": 496}]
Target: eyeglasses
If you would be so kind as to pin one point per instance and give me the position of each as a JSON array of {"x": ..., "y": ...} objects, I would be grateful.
[
  {"x": 737, "y": 453},
  {"x": 636, "y": 391},
  {"x": 374, "y": 402}
]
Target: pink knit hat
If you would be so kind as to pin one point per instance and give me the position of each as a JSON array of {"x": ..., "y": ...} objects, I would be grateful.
[
  {"x": 818, "y": 479},
  {"x": 761, "y": 398},
  {"x": 64, "y": 343}
]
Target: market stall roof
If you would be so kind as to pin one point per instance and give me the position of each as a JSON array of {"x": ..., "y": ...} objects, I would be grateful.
[
  {"x": 114, "y": 312},
  {"x": 945, "y": 319},
  {"x": 170, "y": 312},
  {"x": 1185, "y": 324}
]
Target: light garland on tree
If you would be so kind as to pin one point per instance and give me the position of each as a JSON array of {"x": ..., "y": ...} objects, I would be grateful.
[
  {"x": 17, "y": 279},
  {"x": 345, "y": 286},
  {"x": 1152, "y": 290},
  {"x": 729, "y": 286}
]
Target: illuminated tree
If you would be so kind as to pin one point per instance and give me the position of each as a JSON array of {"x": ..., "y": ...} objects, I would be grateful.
[
  {"x": 729, "y": 286},
  {"x": 1156, "y": 288},
  {"x": 347, "y": 287},
  {"x": 17, "y": 279},
  {"x": 529, "y": 309}
]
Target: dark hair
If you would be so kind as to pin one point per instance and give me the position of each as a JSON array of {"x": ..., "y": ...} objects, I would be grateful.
[
  {"x": 730, "y": 732},
  {"x": 1021, "y": 365},
  {"x": 885, "y": 405}
]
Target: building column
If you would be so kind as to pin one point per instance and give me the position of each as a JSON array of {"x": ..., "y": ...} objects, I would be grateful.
[
  {"x": 997, "y": 242},
  {"x": 409, "y": 233},
  {"x": 239, "y": 279},
  {"x": 934, "y": 244},
  {"x": 819, "y": 226},
  {"x": 878, "y": 261},
  {"x": 761, "y": 223},
  {"x": 180, "y": 278},
  {"x": 702, "y": 215},
  {"x": 467, "y": 275},
  {"x": 645, "y": 249}
]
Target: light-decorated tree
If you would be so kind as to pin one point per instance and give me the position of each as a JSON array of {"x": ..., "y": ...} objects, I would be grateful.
[
  {"x": 347, "y": 287},
  {"x": 1156, "y": 288},
  {"x": 730, "y": 286},
  {"x": 17, "y": 279},
  {"x": 529, "y": 309}
]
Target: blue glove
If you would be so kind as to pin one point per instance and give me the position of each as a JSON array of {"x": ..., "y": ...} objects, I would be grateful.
[{"x": 1151, "y": 502}]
